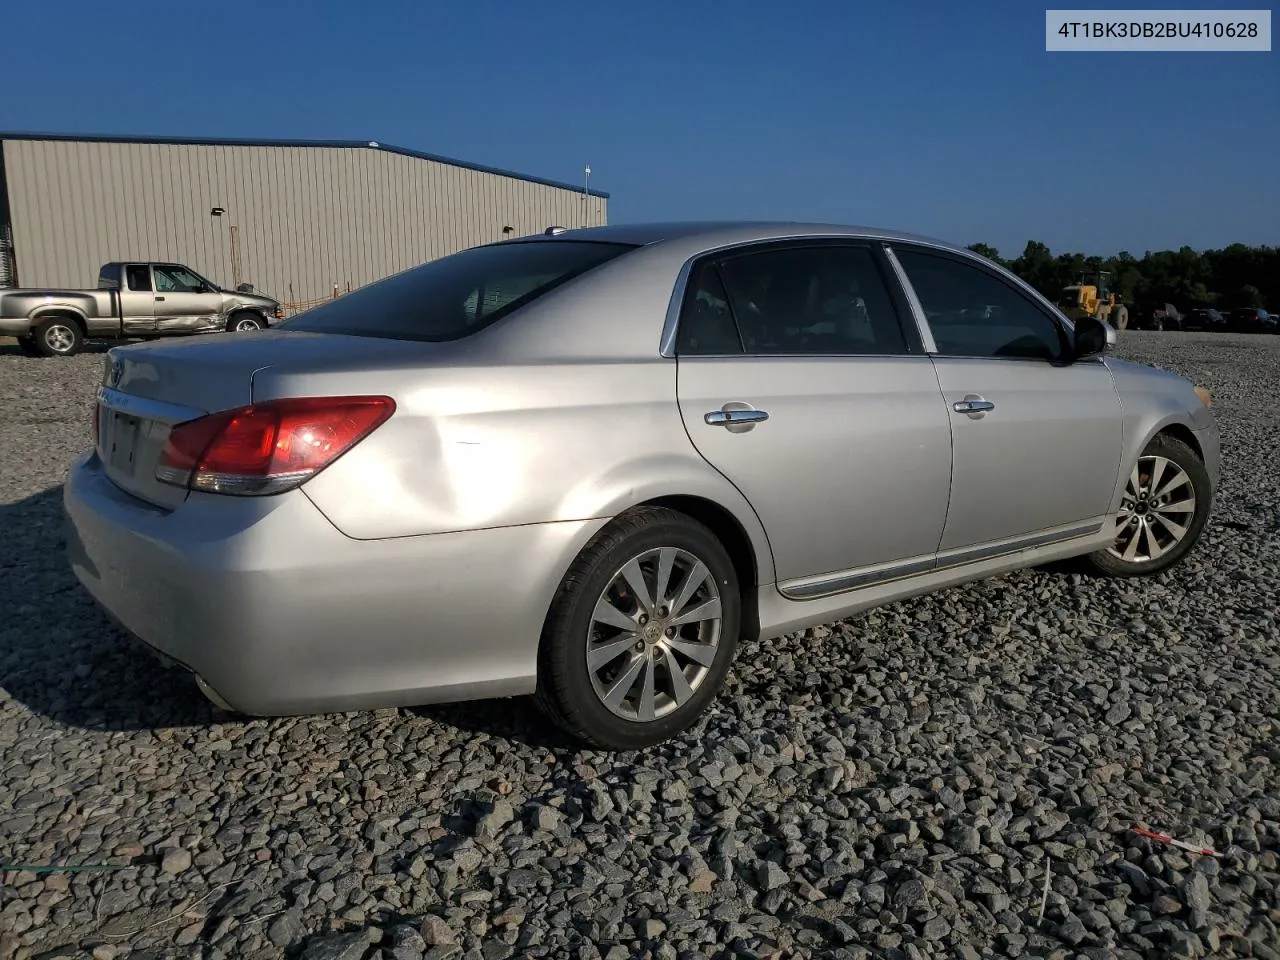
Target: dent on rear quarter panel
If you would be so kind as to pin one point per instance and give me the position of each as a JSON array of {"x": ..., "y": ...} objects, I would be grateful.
[{"x": 472, "y": 447}]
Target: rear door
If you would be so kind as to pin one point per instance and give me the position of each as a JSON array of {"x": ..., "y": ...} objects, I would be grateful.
[
  {"x": 137, "y": 300},
  {"x": 799, "y": 382},
  {"x": 1036, "y": 440},
  {"x": 183, "y": 304}
]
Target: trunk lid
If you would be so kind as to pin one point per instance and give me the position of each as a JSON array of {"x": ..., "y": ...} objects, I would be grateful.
[{"x": 148, "y": 388}]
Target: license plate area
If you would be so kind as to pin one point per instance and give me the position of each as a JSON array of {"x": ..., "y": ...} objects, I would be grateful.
[{"x": 121, "y": 446}]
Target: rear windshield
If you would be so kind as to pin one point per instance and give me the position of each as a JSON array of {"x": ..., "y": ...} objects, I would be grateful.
[{"x": 455, "y": 296}]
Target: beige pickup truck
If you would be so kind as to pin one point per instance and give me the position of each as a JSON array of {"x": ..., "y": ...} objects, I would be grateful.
[{"x": 132, "y": 300}]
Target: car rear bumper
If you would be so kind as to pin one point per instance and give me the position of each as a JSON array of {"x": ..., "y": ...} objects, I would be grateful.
[{"x": 279, "y": 613}]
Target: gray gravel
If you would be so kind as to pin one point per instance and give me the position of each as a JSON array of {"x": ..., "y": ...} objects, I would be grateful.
[{"x": 895, "y": 786}]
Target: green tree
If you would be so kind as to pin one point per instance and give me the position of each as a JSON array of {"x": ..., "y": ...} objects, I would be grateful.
[
  {"x": 1236, "y": 275},
  {"x": 986, "y": 250}
]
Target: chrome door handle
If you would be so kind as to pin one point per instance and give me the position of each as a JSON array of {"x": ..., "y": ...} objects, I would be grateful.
[
  {"x": 727, "y": 418},
  {"x": 972, "y": 406}
]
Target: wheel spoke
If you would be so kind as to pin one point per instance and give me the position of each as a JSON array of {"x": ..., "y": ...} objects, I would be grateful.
[
  {"x": 697, "y": 576},
  {"x": 703, "y": 611},
  {"x": 647, "y": 708},
  {"x": 666, "y": 560},
  {"x": 680, "y": 688},
  {"x": 635, "y": 579},
  {"x": 606, "y": 612},
  {"x": 1154, "y": 550},
  {"x": 1131, "y": 549},
  {"x": 1178, "y": 479},
  {"x": 626, "y": 680},
  {"x": 1135, "y": 483},
  {"x": 703, "y": 653},
  {"x": 1157, "y": 471},
  {"x": 1176, "y": 529},
  {"x": 605, "y": 653},
  {"x": 1182, "y": 506}
]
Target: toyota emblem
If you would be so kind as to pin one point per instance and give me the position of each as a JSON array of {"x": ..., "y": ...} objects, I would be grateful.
[{"x": 115, "y": 368}]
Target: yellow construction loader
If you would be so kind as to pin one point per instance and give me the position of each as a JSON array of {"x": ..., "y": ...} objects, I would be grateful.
[{"x": 1089, "y": 297}]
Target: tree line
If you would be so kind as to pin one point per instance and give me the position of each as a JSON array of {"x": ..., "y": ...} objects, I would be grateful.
[{"x": 1235, "y": 276}]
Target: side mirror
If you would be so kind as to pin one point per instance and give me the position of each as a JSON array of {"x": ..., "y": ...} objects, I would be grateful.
[{"x": 1093, "y": 337}]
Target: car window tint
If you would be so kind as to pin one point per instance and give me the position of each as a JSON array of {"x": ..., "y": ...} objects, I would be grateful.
[
  {"x": 454, "y": 296},
  {"x": 812, "y": 300},
  {"x": 138, "y": 277},
  {"x": 706, "y": 322},
  {"x": 975, "y": 314}
]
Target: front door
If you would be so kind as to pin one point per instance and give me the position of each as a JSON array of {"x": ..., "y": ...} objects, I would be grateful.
[
  {"x": 851, "y": 469},
  {"x": 183, "y": 303},
  {"x": 1036, "y": 440}
]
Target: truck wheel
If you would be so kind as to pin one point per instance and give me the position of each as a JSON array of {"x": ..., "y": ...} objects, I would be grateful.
[
  {"x": 245, "y": 322},
  {"x": 58, "y": 337}
]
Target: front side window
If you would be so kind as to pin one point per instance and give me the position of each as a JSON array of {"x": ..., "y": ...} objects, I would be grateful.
[
  {"x": 973, "y": 313},
  {"x": 177, "y": 280},
  {"x": 457, "y": 295},
  {"x": 814, "y": 300}
]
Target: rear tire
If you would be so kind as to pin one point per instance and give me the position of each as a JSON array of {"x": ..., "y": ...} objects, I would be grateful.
[
  {"x": 656, "y": 662},
  {"x": 57, "y": 337},
  {"x": 1159, "y": 522}
]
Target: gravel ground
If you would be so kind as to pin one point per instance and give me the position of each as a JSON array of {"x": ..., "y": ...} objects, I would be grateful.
[{"x": 901, "y": 788}]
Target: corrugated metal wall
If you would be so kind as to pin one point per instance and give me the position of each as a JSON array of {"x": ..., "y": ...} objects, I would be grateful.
[{"x": 307, "y": 217}]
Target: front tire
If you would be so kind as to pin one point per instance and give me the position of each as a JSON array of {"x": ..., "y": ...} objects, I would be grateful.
[
  {"x": 57, "y": 337},
  {"x": 641, "y": 632},
  {"x": 245, "y": 322},
  {"x": 1165, "y": 507}
]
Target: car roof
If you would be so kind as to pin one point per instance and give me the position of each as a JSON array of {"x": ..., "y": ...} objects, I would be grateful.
[
  {"x": 640, "y": 286},
  {"x": 715, "y": 233}
]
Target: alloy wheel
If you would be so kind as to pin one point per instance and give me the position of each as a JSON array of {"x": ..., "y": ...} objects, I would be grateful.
[
  {"x": 654, "y": 634},
  {"x": 59, "y": 338},
  {"x": 1156, "y": 511}
]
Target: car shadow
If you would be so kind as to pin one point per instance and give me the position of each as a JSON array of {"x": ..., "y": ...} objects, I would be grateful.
[
  {"x": 62, "y": 657},
  {"x": 517, "y": 720},
  {"x": 10, "y": 348}
]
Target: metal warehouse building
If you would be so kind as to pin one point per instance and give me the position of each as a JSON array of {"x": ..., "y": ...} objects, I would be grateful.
[{"x": 296, "y": 219}]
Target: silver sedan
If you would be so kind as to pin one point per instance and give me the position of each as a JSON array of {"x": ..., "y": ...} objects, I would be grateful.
[{"x": 592, "y": 464}]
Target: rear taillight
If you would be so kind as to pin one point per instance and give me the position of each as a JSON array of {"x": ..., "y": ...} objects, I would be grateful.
[
  {"x": 279, "y": 313},
  {"x": 267, "y": 447}
]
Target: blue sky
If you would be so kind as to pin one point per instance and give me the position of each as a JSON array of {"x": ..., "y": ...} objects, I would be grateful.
[{"x": 948, "y": 119}]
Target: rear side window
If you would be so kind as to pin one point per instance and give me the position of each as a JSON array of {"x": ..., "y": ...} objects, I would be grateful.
[
  {"x": 814, "y": 300},
  {"x": 453, "y": 297},
  {"x": 138, "y": 276},
  {"x": 707, "y": 327}
]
